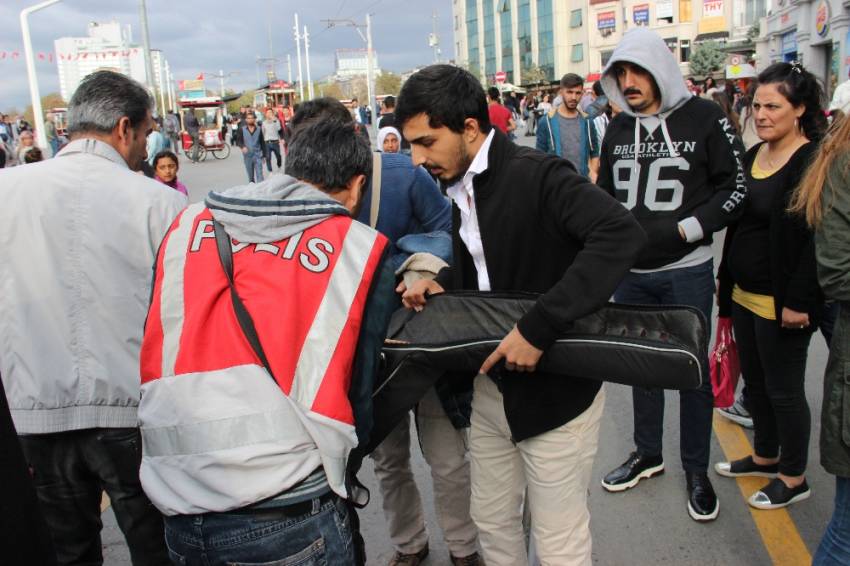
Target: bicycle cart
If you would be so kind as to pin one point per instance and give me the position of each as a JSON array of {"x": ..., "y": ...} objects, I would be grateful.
[{"x": 211, "y": 118}]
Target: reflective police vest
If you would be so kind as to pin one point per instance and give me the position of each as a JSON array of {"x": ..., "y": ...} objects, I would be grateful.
[{"x": 218, "y": 432}]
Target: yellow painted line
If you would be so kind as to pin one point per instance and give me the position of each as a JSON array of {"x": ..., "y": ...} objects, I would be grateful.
[
  {"x": 104, "y": 502},
  {"x": 776, "y": 527}
]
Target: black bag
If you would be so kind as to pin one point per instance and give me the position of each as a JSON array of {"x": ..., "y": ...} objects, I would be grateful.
[{"x": 644, "y": 346}]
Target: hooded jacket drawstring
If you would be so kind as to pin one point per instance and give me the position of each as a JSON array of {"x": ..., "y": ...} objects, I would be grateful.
[{"x": 671, "y": 149}]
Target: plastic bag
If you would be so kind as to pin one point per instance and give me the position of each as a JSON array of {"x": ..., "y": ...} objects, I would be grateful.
[{"x": 724, "y": 365}]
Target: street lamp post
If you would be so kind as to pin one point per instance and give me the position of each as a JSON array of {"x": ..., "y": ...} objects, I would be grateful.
[{"x": 37, "y": 115}]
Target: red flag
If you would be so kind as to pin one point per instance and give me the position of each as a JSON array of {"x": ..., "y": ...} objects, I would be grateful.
[
  {"x": 85, "y": 55},
  {"x": 15, "y": 54},
  {"x": 41, "y": 56},
  {"x": 200, "y": 77},
  {"x": 2, "y": 54}
]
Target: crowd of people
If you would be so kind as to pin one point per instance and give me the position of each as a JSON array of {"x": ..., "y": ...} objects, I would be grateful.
[{"x": 224, "y": 400}]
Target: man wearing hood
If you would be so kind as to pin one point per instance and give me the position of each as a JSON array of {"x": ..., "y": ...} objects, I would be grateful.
[
  {"x": 673, "y": 160},
  {"x": 258, "y": 360}
]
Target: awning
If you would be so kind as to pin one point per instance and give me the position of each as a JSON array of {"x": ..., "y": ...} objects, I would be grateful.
[
  {"x": 743, "y": 71},
  {"x": 592, "y": 77},
  {"x": 712, "y": 35}
]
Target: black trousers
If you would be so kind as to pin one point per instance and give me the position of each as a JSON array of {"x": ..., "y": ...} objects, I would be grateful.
[
  {"x": 273, "y": 146},
  {"x": 773, "y": 364},
  {"x": 70, "y": 472}
]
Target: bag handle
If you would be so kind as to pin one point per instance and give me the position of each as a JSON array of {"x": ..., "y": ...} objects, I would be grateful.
[
  {"x": 376, "y": 189},
  {"x": 225, "y": 255}
]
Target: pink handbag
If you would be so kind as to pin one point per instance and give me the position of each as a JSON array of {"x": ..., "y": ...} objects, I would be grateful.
[{"x": 724, "y": 365}]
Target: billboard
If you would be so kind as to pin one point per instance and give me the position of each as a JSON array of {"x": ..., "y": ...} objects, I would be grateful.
[
  {"x": 640, "y": 14},
  {"x": 606, "y": 20}
]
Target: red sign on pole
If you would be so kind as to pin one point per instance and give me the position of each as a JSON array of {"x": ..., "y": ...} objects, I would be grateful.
[{"x": 501, "y": 77}]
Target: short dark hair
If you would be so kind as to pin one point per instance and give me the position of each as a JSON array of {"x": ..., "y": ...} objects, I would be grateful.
[
  {"x": 799, "y": 87},
  {"x": 571, "y": 80},
  {"x": 597, "y": 89},
  {"x": 102, "y": 99},
  {"x": 319, "y": 109},
  {"x": 328, "y": 153},
  {"x": 493, "y": 93},
  {"x": 33, "y": 156},
  {"x": 389, "y": 101},
  {"x": 448, "y": 95},
  {"x": 165, "y": 154}
]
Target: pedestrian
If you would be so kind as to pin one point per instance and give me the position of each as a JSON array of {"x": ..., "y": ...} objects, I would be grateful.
[
  {"x": 534, "y": 432},
  {"x": 50, "y": 134},
  {"x": 500, "y": 116},
  {"x": 389, "y": 140},
  {"x": 709, "y": 87},
  {"x": 69, "y": 346},
  {"x": 673, "y": 160},
  {"x": 193, "y": 128},
  {"x": 253, "y": 147},
  {"x": 272, "y": 134},
  {"x": 599, "y": 104},
  {"x": 156, "y": 143},
  {"x": 567, "y": 131},
  {"x": 33, "y": 156},
  {"x": 768, "y": 284},
  {"x": 387, "y": 118},
  {"x": 822, "y": 197},
  {"x": 725, "y": 104},
  {"x": 26, "y": 143},
  {"x": 171, "y": 129},
  {"x": 249, "y": 423},
  {"x": 166, "y": 166}
]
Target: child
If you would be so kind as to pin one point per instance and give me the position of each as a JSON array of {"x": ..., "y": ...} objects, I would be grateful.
[{"x": 165, "y": 166}]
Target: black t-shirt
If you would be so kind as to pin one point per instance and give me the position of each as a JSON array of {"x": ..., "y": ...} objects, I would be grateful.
[{"x": 749, "y": 255}]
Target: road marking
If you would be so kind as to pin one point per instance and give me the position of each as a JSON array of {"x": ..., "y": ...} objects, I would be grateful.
[
  {"x": 104, "y": 502},
  {"x": 776, "y": 527}
]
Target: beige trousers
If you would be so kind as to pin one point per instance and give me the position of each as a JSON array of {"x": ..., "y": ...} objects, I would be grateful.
[
  {"x": 555, "y": 468},
  {"x": 445, "y": 450}
]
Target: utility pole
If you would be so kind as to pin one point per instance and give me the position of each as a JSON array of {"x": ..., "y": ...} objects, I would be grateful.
[
  {"x": 289, "y": 68},
  {"x": 221, "y": 76},
  {"x": 35, "y": 97},
  {"x": 161, "y": 83},
  {"x": 434, "y": 39},
  {"x": 307, "y": 61},
  {"x": 143, "y": 15},
  {"x": 370, "y": 74},
  {"x": 169, "y": 80},
  {"x": 298, "y": 51}
]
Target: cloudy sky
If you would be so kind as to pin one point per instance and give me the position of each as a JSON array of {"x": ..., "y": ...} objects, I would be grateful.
[{"x": 208, "y": 35}]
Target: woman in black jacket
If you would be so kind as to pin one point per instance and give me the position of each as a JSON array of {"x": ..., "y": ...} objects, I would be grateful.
[{"x": 768, "y": 283}]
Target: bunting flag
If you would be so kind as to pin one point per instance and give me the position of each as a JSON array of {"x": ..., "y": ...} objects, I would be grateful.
[
  {"x": 200, "y": 77},
  {"x": 51, "y": 56}
]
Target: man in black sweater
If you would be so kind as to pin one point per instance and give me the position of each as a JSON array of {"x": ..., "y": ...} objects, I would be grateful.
[
  {"x": 673, "y": 160},
  {"x": 522, "y": 221}
]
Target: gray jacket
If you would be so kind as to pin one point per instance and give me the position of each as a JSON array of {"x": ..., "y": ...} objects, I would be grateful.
[
  {"x": 832, "y": 248},
  {"x": 78, "y": 238}
]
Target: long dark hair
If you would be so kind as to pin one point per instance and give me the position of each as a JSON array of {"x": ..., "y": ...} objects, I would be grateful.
[
  {"x": 799, "y": 87},
  {"x": 723, "y": 101}
]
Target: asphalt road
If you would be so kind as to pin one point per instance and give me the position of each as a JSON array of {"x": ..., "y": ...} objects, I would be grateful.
[{"x": 644, "y": 526}]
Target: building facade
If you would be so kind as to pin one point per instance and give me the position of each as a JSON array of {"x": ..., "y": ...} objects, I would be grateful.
[
  {"x": 107, "y": 46},
  {"x": 561, "y": 36},
  {"x": 814, "y": 32}
]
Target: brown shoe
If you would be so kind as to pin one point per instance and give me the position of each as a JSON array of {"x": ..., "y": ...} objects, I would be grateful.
[
  {"x": 472, "y": 560},
  {"x": 401, "y": 559}
]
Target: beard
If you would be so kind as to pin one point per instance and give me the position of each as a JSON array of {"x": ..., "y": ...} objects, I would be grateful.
[{"x": 464, "y": 160}]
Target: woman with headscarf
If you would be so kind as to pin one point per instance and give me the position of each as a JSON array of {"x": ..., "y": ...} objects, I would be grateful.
[{"x": 389, "y": 140}]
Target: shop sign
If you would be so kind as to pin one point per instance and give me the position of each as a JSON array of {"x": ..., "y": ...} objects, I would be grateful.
[
  {"x": 822, "y": 17},
  {"x": 606, "y": 20},
  {"x": 640, "y": 14},
  {"x": 712, "y": 8},
  {"x": 664, "y": 9}
]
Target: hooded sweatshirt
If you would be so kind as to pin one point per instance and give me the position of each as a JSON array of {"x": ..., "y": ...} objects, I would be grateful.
[{"x": 679, "y": 167}]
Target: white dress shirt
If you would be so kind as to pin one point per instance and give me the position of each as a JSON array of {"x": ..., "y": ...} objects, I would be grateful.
[{"x": 463, "y": 194}]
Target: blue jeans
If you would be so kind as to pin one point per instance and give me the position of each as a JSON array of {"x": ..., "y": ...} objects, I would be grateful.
[
  {"x": 834, "y": 549},
  {"x": 319, "y": 534},
  {"x": 254, "y": 166},
  {"x": 691, "y": 286}
]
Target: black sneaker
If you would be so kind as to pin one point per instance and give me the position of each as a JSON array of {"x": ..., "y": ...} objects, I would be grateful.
[
  {"x": 777, "y": 495},
  {"x": 746, "y": 467},
  {"x": 737, "y": 413},
  {"x": 702, "y": 501},
  {"x": 633, "y": 470}
]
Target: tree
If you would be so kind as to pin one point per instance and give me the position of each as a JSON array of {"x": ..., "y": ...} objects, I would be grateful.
[
  {"x": 332, "y": 90},
  {"x": 247, "y": 99},
  {"x": 388, "y": 83},
  {"x": 707, "y": 58},
  {"x": 52, "y": 100},
  {"x": 532, "y": 74}
]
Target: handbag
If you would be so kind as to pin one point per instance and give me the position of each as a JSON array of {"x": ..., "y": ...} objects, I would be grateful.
[{"x": 724, "y": 365}]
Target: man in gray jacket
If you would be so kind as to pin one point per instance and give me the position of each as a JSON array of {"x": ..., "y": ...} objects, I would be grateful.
[{"x": 80, "y": 235}]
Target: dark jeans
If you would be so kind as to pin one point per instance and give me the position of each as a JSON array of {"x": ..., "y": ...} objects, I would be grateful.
[
  {"x": 70, "y": 472},
  {"x": 273, "y": 146},
  {"x": 320, "y": 534},
  {"x": 253, "y": 166},
  {"x": 773, "y": 364},
  {"x": 691, "y": 286},
  {"x": 196, "y": 146},
  {"x": 834, "y": 549}
]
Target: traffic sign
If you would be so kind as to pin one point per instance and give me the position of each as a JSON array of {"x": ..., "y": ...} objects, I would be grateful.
[{"x": 501, "y": 77}]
